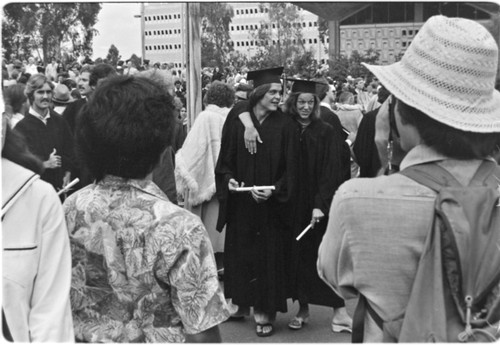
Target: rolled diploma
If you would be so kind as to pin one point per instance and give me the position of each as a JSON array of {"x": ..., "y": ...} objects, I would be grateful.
[
  {"x": 248, "y": 189},
  {"x": 71, "y": 184},
  {"x": 304, "y": 232}
]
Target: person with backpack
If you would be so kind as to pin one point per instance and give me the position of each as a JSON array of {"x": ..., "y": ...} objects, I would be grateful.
[
  {"x": 36, "y": 254},
  {"x": 423, "y": 256}
]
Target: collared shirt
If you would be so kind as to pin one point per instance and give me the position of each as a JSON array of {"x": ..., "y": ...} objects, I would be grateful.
[
  {"x": 326, "y": 105},
  {"x": 143, "y": 268},
  {"x": 376, "y": 233},
  {"x": 38, "y": 116}
]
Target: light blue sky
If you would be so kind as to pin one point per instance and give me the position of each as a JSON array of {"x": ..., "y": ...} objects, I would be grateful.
[{"x": 116, "y": 25}]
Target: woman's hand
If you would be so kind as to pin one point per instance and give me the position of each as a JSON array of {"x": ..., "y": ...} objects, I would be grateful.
[
  {"x": 251, "y": 137},
  {"x": 261, "y": 195},
  {"x": 232, "y": 185},
  {"x": 317, "y": 215}
]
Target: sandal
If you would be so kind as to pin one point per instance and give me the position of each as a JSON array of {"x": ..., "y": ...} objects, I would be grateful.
[
  {"x": 259, "y": 329},
  {"x": 298, "y": 322}
]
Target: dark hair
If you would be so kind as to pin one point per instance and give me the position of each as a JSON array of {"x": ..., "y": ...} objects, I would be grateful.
[
  {"x": 243, "y": 87},
  {"x": 291, "y": 106},
  {"x": 15, "y": 97},
  {"x": 70, "y": 83},
  {"x": 124, "y": 127},
  {"x": 220, "y": 94},
  {"x": 101, "y": 71},
  {"x": 322, "y": 87},
  {"x": 446, "y": 140},
  {"x": 16, "y": 150},
  {"x": 257, "y": 94}
]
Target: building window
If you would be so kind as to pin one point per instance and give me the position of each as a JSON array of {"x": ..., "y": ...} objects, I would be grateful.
[
  {"x": 170, "y": 31},
  {"x": 304, "y": 24},
  {"x": 169, "y": 16},
  {"x": 310, "y": 41},
  {"x": 246, "y": 11},
  {"x": 315, "y": 23},
  {"x": 304, "y": 40},
  {"x": 403, "y": 32},
  {"x": 237, "y": 12},
  {"x": 315, "y": 40}
]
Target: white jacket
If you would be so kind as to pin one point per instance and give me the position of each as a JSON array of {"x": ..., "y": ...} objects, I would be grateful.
[
  {"x": 36, "y": 261},
  {"x": 195, "y": 161}
]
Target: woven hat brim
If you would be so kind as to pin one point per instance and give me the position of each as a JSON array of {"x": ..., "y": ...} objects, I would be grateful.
[{"x": 483, "y": 116}]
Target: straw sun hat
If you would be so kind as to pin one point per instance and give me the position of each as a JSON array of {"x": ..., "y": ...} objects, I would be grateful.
[{"x": 448, "y": 73}]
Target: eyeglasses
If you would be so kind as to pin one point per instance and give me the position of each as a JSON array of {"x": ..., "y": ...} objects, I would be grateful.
[{"x": 302, "y": 103}]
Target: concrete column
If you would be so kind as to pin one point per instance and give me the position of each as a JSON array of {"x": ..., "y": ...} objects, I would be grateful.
[
  {"x": 334, "y": 44},
  {"x": 194, "y": 61},
  {"x": 419, "y": 12}
]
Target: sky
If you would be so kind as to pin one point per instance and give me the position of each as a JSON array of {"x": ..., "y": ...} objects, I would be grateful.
[{"x": 116, "y": 25}]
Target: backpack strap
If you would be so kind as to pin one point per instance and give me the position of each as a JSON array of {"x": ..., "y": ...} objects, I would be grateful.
[
  {"x": 431, "y": 175},
  {"x": 486, "y": 170},
  {"x": 358, "y": 321},
  {"x": 5, "y": 329}
]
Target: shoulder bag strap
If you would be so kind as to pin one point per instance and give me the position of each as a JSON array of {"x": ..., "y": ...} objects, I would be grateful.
[
  {"x": 16, "y": 195},
  {"x": 358, "y": 321}
]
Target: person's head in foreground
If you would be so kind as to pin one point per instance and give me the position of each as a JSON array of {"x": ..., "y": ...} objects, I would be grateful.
[
  {"x": 444, "y": 89},
  {"x": 125, "y": 127}
]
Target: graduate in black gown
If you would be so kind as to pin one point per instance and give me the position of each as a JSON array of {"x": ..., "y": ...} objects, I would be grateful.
[
  {"x": 254, "y": 253},
  {"x": 315, "y": 171}
]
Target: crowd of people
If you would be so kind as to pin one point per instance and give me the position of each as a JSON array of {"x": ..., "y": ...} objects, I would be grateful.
[{"x": 121, "y": 223}]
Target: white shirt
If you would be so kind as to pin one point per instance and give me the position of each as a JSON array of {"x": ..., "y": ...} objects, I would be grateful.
[{"x": 40, "y": 117}]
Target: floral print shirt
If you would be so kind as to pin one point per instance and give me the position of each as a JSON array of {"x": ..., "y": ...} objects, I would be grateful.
[{"x": 143, "y": 268}]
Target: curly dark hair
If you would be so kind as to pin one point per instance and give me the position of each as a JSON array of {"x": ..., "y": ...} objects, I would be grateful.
[
  {"x": 100, "y": 71},
  {"x": 220, "y": 94},
  {"x": 124, "y": 127}
]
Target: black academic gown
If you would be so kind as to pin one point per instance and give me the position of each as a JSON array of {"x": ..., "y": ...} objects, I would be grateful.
[
  {"x": 364, "y": 148},
  {"x": 333, "y": 120},
  {"x": 42, "y": 139},
  {"x": 255, "y": 244},
  {"x": 315, "y": 171}
]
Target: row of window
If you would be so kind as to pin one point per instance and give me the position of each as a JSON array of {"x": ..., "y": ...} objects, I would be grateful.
[
  {"x": 390, "y": 33},
  {"x": 162, "y": 32},
  {"x": 266, "y": 26},
  {"x": 266, "y": 43},
  {"x": 256, "y": 10},
  {"x": 164, "y": 47},
  {"x": 165, "y": 17},
  {"x": 375, "y": 45},
  {"x": 252, "y": 11}
]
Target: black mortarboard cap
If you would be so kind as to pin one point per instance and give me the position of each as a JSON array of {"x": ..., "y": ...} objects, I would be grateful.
[
  {"x": 304, "y": 86},
  {"x": 265, "y": 76}
]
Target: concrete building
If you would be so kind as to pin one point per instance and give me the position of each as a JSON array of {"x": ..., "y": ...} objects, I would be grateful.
[{"x": 386, "y": 27}]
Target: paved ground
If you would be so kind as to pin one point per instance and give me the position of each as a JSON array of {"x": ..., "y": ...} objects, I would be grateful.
[{"x": 318, "y": 330}]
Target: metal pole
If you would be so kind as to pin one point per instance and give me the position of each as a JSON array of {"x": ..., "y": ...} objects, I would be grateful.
[{"x": 143, "y": 48}]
